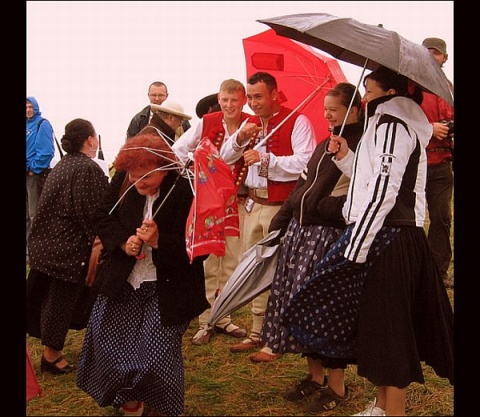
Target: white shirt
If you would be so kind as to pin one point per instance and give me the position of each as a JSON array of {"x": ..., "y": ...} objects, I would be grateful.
[
  {"x": 281, "y": 168},
  {"x": 187, "y": 143}
]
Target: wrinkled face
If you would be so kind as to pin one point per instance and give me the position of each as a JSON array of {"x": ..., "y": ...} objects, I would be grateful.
[
  {"x": 231, "y": 103},
  {"x": 30, "y": 110},
  {"x": 150, "y": 182},
  {"x": 157, "y": 95},
  {"x": 260, "y": 100}
]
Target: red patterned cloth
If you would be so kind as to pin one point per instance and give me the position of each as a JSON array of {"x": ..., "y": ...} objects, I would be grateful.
[{"x": 214, "y": 211}]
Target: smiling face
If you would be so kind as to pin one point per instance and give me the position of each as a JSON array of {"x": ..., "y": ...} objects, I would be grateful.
[
  {"x": 262, "y": 101},
  {"x": 149, "y": 180},
  {"x": 334, "y": 111},
  {"x": 231, "y": 104}
]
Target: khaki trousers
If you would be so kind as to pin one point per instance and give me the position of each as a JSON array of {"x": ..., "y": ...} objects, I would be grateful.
[
  {"x": 255, "y": 228},
  {"x": 218, "y": 270}
]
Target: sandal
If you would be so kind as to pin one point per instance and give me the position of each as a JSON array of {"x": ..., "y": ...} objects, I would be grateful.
[
  {"x": 53, "y": 368},
  {"x": 326, "y": 401},
  {"x": 231, "y": 330}
]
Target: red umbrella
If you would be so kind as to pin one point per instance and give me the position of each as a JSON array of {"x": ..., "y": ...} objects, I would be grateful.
[
  {"x": 214, "y": 211},
  {"x": 299, "y": 70}
]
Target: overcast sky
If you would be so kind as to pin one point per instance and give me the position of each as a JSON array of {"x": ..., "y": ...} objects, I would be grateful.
[{"x": 95, "y": 59}]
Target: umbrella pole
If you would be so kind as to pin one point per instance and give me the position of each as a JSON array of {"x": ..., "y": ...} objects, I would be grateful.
[
  {"x": 353, "y": 97},
  {"x": 303, "y": 103}
]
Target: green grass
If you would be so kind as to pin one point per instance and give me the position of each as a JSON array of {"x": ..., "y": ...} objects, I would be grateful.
[{"x": 220, "y": 383}]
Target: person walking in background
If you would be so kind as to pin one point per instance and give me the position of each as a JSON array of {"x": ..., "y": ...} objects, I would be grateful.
[
  {"x": 439, "y": 189},
  {"x": 311, "y": 220},
  {"x": 40, "y": 150},
  {"x": 273, "y": 171},
  {"x": 157, "y": 94},
  {"x": 218, "y": 126},
  {"x": 404, "y": 313},
  {"x": 132, "y": 352},
  {"x": 60, "y": 244}
]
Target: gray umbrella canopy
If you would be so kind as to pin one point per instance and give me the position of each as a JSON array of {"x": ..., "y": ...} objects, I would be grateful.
[
  {"x": 252, "y": 276},
  {"x": 366, "y": 46}
]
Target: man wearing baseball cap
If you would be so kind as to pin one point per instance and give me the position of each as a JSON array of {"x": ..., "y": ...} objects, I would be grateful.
[{"x": 439, "y": 187}]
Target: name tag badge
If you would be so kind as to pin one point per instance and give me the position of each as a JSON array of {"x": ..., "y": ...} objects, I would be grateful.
[{"x": 249, "y": 203}]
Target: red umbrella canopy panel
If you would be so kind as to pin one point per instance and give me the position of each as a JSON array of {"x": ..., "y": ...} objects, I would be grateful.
[{"x": 299, "y": 70}]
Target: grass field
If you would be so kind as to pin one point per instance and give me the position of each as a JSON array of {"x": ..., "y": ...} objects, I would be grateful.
[{"x": 220, "y": 383}]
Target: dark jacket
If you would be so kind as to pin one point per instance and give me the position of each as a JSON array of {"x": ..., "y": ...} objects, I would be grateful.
[
  {"x": 181, "y": 285},
  {"x": 320, "y": 191},
  {"x": 62, "y": 234},
  {"x": 141, "y": 119},
  {"x": 138, "y": 122}
]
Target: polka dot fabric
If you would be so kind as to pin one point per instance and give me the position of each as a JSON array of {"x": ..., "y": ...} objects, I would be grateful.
[
  {"x": 323, "y": 314},
  {"x": 134, "y": 357},
  {"x": 62, "y": 232},
  {"x": 304, "y": 246}
]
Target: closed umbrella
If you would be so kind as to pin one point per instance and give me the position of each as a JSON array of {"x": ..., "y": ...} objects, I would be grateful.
[
  {"x": 365, "y": 45},
  {"x": 252, "y": 276}
]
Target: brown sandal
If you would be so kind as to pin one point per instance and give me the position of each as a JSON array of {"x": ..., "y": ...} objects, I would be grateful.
[{"x": 234, "y": 331}]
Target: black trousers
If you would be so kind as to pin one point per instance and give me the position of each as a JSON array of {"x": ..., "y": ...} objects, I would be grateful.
[{"x": 439, "y": 192}]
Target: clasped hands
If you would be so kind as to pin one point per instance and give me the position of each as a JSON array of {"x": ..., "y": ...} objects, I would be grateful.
[{"x": 147, "y": 234}]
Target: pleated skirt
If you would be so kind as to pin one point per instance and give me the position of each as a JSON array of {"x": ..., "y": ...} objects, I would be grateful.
[{"x": 405, "y": 315}]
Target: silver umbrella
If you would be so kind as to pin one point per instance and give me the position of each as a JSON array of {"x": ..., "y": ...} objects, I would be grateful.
[
  {"x": 364, "y": 45},
  {"x": 252, "y": 276}
]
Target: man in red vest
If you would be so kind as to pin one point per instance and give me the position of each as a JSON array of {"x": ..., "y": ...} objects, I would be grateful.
[
  {"x": 439, "y": 188},
  {"x": 274, "y": 166},
  {"x": 218, "y": 126}
]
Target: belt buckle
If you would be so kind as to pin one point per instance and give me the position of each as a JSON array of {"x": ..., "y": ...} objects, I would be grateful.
[{"x": 263, "y": 194}]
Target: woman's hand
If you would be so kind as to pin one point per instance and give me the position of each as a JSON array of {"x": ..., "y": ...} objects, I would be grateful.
[
  {"x": 148, "y": 233},
  {"x": 133, "y": 245},
  {"x": 338, "y": 146}
]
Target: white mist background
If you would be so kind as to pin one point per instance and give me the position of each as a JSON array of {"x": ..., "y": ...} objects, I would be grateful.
[{"x": 96, "y": 59}]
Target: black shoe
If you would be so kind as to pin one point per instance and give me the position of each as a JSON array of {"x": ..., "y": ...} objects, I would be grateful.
[
  {"x": 47, "y": 366},
  {"x": 305, "y": 389},
  {"x": 327, "y": 400}
]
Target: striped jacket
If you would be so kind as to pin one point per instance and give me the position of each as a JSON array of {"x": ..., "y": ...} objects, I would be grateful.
[{"x": 388, "y": 172}]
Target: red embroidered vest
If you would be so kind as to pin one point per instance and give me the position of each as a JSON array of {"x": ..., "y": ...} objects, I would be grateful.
[
  {"x": 280, "y": 144},
  {"x": 214, "y": 130}
]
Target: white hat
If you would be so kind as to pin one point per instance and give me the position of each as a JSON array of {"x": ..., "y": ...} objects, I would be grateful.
[{"x": 171, "y": 107}]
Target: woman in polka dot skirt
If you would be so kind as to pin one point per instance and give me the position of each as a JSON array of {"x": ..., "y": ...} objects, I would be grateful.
[
  {"x": 148, "y": 290},
  {"x": 60, "y": 243}
]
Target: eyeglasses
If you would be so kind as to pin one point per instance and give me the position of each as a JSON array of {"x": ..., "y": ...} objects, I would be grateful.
[{"x": 157, "y": 95}]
